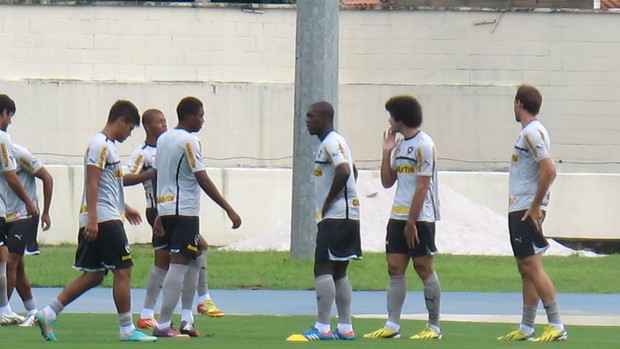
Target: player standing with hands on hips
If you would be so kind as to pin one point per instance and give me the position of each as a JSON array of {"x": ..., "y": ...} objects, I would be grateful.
[{"x": 531, "y": 173}]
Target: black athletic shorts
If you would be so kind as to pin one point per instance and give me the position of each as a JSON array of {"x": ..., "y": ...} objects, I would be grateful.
[
  {"x": 395, "y": 241},
  {"x": 338, "y": 240},
  {"x": 182, "y": 234},
  {"x": 158, "y": 242},
  {"x": 22, "y": 235},
  {"x": 524, "y": 238},
  {"x": 109, "y": 251}
]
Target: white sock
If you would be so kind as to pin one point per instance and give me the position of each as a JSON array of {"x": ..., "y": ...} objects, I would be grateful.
[
  {"x": 322, "y": 327},
  {"x": 392, "y": 326}
]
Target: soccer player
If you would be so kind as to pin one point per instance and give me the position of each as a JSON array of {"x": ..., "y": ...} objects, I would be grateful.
[
  {"x": 180, "y": 177},
  {"x": 102, "y": 242},
  {"x": 531, "y": 173},
  {"x": 337, "y": 215},
  {"x": 8, "y": 181},
  {"x": 141, "y": 171},
  {"x": 22, "y": 228},
  {"x": 411, "y": 228}
]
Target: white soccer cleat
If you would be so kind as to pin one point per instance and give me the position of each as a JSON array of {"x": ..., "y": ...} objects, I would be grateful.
[
  {"x": 11, "y": 318},
  {"x": 29, "y": 322}
]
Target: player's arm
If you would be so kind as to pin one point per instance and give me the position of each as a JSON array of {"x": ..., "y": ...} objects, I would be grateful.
[
  {"x": 13, "y": 181},
  {"x": 423, "y": 184},
  {"x": 137, "y": 178},
  {"x": 158, "y": 228},
  {"x": 388, "y": 175},
  {"x": 545, "y": 178},
  {"x": 93, "y": 173},
  {"x": 136, "y": 175},
  {"x": 341, "y": 175},
  {"x": 48, "y": 188},
  {"x": 209, "y": 188}
]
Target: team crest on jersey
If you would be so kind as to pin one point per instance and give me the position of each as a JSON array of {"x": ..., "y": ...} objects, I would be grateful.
[{"x": 409, "y": 150}]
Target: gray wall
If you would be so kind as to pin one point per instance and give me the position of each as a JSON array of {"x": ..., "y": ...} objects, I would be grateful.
[{"x": 65, "y": 65}]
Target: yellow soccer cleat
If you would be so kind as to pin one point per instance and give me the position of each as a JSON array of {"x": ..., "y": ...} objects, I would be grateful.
[
  {"x": 209, "y": 308},
  {"x": 551, "y": 334},
  {"x": 427, "y": 333},
  {"x": 516, "y": 335},
  {"x": 383, "y": 333}
]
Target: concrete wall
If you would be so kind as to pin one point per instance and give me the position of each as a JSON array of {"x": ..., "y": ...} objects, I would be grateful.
[{"x": 66, "y": 64}]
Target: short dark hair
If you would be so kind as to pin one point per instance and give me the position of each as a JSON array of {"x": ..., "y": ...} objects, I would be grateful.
[
  {"x": 6, "y": 103},
  {"x": 188, "y": 106},
  {"x": 324, "y": 108},
  {"x": 125, "y": 109},
  {"x": 530, "y": 97},
  {"x": 405, "y": 109},
  {"x": 148, "y": 116}
]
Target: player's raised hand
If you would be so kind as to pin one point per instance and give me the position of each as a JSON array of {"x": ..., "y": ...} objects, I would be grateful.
[{"x": 389, "y": 140}]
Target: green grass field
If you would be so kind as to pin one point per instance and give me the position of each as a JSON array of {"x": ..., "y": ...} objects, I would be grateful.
[
  {"x": 276, "y": 270},
  {"x": 79, "y": 331}
]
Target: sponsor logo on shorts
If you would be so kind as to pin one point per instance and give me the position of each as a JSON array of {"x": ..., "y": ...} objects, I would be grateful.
[
  {"x": 126, "y": 258},
  {"x": 192, "y": 248}
]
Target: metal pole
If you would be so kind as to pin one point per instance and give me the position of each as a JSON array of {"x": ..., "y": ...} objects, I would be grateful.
[{"x": 316, "y": 79}]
